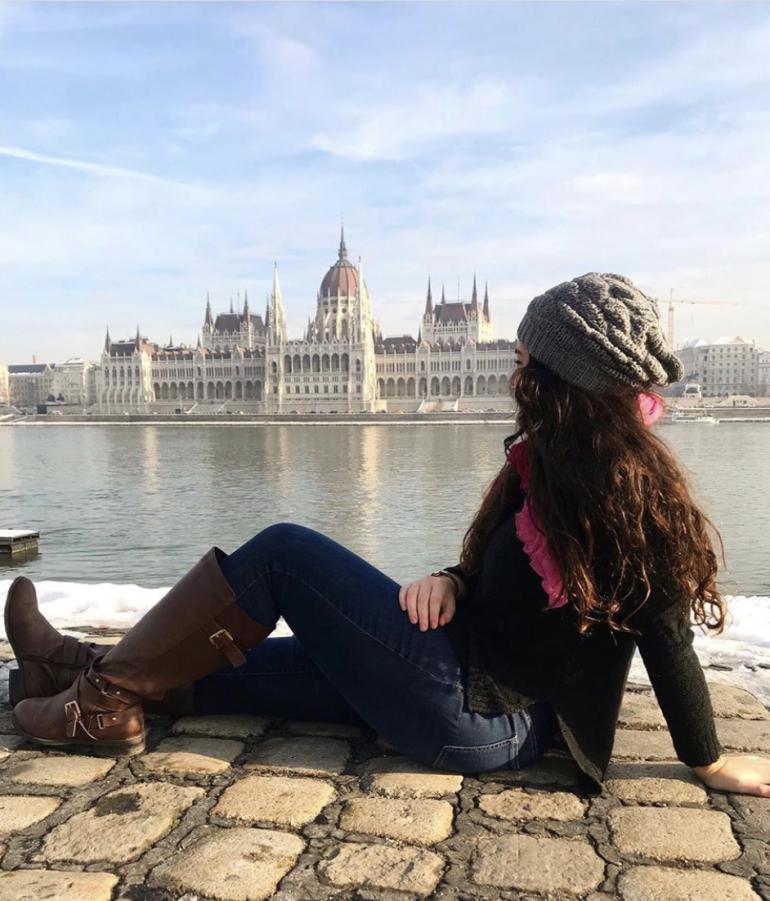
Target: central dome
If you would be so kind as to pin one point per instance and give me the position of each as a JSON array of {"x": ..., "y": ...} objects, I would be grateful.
[{"x": 342, "y": 277}]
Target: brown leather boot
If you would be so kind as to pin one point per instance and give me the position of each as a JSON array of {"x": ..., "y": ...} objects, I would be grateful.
[
  {"x": 195, "y": 629},
  {"x": 47, "y": 660}
]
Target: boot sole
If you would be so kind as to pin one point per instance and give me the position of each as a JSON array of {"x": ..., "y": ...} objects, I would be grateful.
[{"x": 125, "y": 747}]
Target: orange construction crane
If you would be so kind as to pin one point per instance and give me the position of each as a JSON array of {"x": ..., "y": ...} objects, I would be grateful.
[{"x": 671, "y": 302}]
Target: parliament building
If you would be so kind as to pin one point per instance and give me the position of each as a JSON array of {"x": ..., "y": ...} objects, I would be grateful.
[{"x": 342, "y": 363}]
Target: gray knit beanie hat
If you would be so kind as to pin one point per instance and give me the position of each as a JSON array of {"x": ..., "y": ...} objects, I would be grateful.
[{"x": 600, "y": 333}]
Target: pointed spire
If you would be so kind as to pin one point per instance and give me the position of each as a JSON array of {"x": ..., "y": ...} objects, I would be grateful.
[
  {"x": 138, "y": 336},
  {"x": 267, "y": 312},
  {"x": 278, "y": 321},
  {"x": 231, "y": 305},
  {"x": 170, "y": 341},
  {"x": 419, "y": 335},
  {"x": 429, "y": 300},
  {"x": 198, "y": 345},
  {"x": 209, "y": 320},
  {"x": 474, "y": 296},
  {"x": 486, "y": 301},
  {"x": 107, "y": 340},
  {"x": 246, "y": 306},
  {"x": 443, "y": 296},
  {"x": 343, "y": 253}
]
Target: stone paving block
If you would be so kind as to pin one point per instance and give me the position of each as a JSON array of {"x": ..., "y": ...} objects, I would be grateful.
[
  {"x": 36, "y": 885},
  {"x": 516, "y": 804},
  {"x": 729, "y": 701},
  {"x": 311, "y": 756},
  {"x": 400, "y": 777},
  {"x": 562, "y": 771},
  {"x": 413, "y": 870},
  {"x": 280, "y": 800},
  {"x": 667, "y": 884},
  {"x": 122, "y": 824},
  {"x": 668, "y": 783},
  {"x": 698, "y": 836},
  {"x": 640, "y": 711},
  {"x": 634, "y": 744},
  {"x": 195, "y": 755},
  {"x": 750, "y": 736},
  {"x": 19, "y": 811},
  {"x": 754, "y": 811},
  {"x": 221, "y": 725},
  {"x": 71, "y": 770},
  {"x": 328, "y": 730},
  {"x": 237, "y": 864},
  {"x": 422, "y": 822},
  {"x": 537, "y": 864},
  {"x": 8, "y": 744}
]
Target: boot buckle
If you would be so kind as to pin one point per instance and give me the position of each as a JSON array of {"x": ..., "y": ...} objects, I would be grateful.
[
  {"x": 74, "y": 716},
  {"x": 101, "y": 717},
  {"x": 223, "y": 641}
]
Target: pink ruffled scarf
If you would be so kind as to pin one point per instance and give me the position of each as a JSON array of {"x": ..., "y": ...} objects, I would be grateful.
[{"x": 527, "y": 525}]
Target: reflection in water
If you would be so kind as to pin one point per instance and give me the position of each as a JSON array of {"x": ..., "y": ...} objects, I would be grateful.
[
  {"x": 141, "y": 503},
  {"x": 150, "y": 458}
]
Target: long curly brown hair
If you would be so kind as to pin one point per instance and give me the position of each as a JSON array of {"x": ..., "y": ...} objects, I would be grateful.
[{"x": 612, "y": 500}]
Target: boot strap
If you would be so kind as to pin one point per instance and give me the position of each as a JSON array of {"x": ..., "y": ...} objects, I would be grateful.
[
  {"x": 75, "y": 653},
  {"x": 74, "y": 716},
  {"x": 110, "y": 690},
  {"x": 223, "y": 641}
]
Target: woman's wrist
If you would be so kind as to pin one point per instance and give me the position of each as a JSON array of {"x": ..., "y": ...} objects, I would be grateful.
[
  {"x": 455, "y": 579},
  {"x": 711, "y": 768}
]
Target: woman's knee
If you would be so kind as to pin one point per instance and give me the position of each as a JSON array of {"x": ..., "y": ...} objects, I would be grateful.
[
  {"x": 279, "y": 531},
  {"x": 283, "y": 535}
]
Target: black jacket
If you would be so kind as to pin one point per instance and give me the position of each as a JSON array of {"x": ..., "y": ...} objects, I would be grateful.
[{"x": 517, "y": 652}]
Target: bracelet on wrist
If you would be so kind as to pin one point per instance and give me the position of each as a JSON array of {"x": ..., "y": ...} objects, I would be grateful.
[{"x": 453, "y": 577}]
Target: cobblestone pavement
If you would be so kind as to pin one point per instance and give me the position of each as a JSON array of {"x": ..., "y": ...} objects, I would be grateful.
[{"x": 241, "y": 807}]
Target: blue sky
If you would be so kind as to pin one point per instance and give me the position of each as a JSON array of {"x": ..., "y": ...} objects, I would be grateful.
[{"x": 152, "y": 152}]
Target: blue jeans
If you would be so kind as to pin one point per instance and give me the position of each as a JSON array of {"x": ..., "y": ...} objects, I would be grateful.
[{"x": 356, "y": 658}]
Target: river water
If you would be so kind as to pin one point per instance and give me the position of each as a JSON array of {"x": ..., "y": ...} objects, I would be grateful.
[
  {"x": 140, "y": 503},
  {"x": 123, "y": 511}
]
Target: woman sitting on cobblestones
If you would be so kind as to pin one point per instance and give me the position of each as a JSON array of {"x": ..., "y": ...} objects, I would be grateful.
[{"x": 587, "y": 545}]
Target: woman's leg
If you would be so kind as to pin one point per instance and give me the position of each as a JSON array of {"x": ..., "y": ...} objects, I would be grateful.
[
  {"x": 278, "y": 679},
  {"x": 406, "y": 684}
]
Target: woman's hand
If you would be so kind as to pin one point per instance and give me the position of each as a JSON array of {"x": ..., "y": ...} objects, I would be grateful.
[
  {"x": 745, "y": 774},
  {"x": 430, "y": 600}
]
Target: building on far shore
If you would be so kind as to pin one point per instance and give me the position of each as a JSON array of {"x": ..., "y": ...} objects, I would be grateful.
[
  {"x": 30, "y": 384},
  {"x": 71, "y": 382},
  {"x": 763, "y": 373},
  {"x": 74, "y": 381},
  {"x": 726, "y": 366},
  {"x": 4, "y": 391},
  {"x": 342, "y": 363}
]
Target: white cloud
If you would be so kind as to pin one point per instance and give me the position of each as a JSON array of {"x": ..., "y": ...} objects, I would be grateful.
[
  {"x": 99, "y": 169},
  {"x": 425, "y": 115}
]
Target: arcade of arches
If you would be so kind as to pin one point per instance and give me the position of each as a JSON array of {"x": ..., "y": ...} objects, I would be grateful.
[
  {"x": 470, "y": 386},
  {"x": 239, "y": 389}
]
